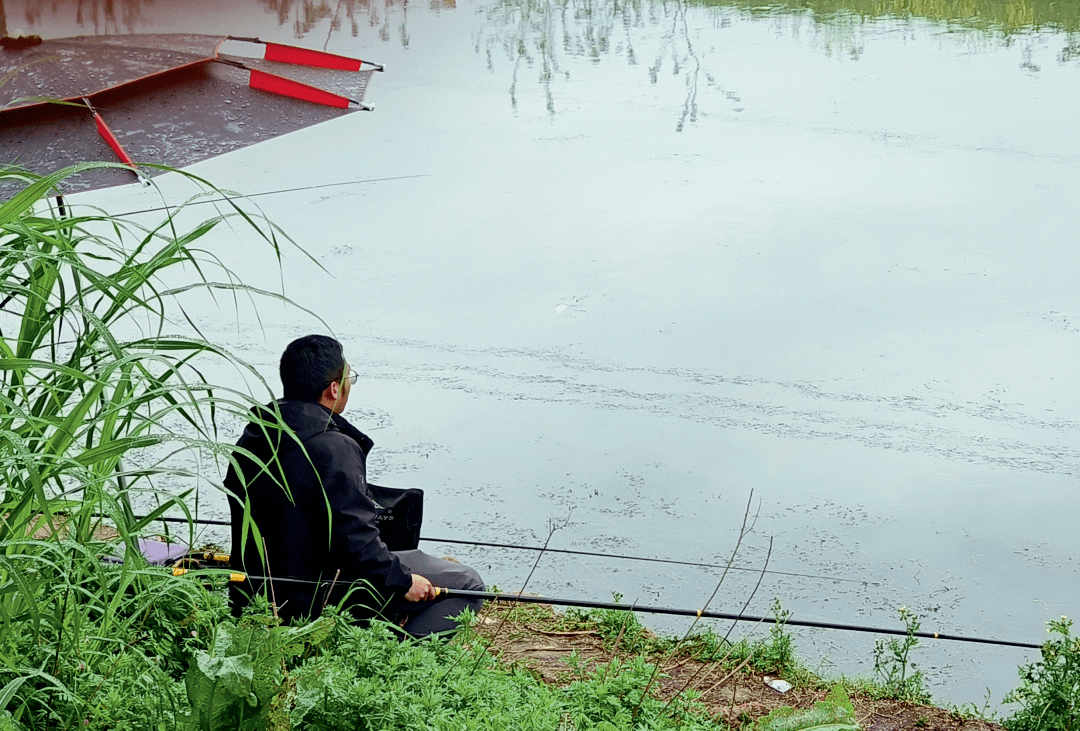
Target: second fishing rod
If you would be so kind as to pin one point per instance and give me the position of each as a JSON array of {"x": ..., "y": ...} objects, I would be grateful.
[{"x": 238, "y": 578}]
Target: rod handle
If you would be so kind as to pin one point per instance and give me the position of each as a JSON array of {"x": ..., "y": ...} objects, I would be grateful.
[{"x": 234, "y": 576}]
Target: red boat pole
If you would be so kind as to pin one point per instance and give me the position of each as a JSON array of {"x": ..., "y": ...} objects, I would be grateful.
[{"x": 110, "y": 139}]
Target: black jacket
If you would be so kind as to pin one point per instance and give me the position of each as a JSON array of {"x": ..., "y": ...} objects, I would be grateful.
[{"x": 323, "y": 523}]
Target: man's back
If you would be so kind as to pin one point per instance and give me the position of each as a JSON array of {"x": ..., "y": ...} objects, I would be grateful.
[{"x": 307, "y": 496}]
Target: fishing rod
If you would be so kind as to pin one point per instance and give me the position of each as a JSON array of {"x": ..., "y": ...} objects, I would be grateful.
[
  {"x": 237, "y": 577},
  {"x": 504, "y": 597},
  {"x": 594, "y": 554},
  {"x": 275, "y": 192}
]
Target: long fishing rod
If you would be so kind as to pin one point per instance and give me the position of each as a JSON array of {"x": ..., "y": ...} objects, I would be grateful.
[
  {"x": 237, "y": 577},
  {"x": 587, "y": 553},
  {"x": 504, "y": 597},
  {"x": 273, "y": 192}
]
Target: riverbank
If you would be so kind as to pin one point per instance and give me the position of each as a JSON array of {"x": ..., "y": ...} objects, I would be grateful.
[{"x": 733, "y": 686}]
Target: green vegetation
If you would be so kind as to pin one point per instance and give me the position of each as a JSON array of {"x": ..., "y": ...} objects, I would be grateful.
[
  {"x": 835, "y": 713},
  {"x": 893, "y": 668},
  {"x": 1049, "y": 692},
  {"x": 91, "y": 380}
]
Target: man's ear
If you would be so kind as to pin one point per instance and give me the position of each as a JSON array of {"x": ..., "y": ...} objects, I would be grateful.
[{"x": 333, "y": 391}]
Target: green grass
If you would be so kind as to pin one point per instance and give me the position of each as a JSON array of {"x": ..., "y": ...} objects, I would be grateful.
[{"x": 92, "y": 370}]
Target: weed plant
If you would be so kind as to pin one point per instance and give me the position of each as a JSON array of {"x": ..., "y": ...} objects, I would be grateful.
[
  {"x": 621, "y": 630},
  {"x": 775, "y": 654},
  {"x": 834, "y": 713},
  {"x": 897, "y": 676},
  {"x": 1049, "y": 691},
  {"x": 334, "y": 674},
  {"x": 371, "y": 679}
]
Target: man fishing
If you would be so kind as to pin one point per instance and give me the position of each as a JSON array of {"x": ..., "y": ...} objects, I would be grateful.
[{"x": 310, "y": 511}]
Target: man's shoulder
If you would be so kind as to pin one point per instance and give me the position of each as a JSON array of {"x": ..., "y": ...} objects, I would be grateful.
[{"x": 333, "y": 440}]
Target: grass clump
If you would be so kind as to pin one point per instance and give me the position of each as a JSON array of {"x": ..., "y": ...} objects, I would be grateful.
[
  {"x": 896, "y": 676},
  {"x": 620, "y": 630},
  {"x": 834, "y": 713}
]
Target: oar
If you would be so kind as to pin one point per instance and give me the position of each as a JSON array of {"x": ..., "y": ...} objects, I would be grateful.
[{"x": 589, "y": 604}]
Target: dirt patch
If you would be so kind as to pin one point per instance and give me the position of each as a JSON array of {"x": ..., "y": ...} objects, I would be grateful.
[{"x": 531, "y": 640}]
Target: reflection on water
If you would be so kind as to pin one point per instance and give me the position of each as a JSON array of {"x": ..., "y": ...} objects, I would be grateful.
[
  {"x": 126, "y": 16},
  {"x": 539, "y": 34},
  {"x": 102, "y": 16},
  {"x": 1002, "y": 16},
  {"x": 536, "y": 33},
  {"x": 589, "y": 28},
  {"x": 305, "y": 15}
]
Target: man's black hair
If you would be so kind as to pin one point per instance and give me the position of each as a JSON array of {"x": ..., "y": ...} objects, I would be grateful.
[{"x": 308, "y": 365}]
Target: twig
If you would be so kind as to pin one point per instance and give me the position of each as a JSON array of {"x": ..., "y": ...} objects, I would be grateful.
[
  {"x": 743, "y": 531},
  {"x": 552, "y": 527},
  {"x": 618, "y": 638},
  {"x": 552, "y": 633},
  {"x": 723, "y": 680},
  {"x": 768, "y": 557},
  {"x": 745, "y": 605},
  {"x": 326, "y": 599},
  {"x": 273, "y": 598}
]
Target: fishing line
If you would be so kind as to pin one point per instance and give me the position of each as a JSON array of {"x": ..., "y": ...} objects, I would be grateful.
[
  {"x": 588, "y": 604},
  {"x": 584, "y": 553},
  {"x": 273, "y": 192}
]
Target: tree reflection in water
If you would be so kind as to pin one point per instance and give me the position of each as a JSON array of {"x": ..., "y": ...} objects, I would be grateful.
[
  {"x": 539, "y": 33},
  {"x": 104, "y": 16},
  {"x": 126, "y": 16},
  {"x": 305, "y": 15}
]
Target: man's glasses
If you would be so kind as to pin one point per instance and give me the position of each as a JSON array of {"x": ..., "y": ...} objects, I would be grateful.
[{"x": 351, "y": 378}]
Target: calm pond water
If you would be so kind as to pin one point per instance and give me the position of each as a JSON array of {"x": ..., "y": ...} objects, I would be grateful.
[{"x": 659, "y": 258}]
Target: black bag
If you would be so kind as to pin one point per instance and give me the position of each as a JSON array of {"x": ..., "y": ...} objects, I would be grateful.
[{"x": 398, "y": 513}]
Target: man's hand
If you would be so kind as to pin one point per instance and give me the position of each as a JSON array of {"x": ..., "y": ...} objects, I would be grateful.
[{"x": 421, "y": 590}]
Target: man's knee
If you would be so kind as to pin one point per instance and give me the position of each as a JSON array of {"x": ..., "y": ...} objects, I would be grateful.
[{"x": 473, "y": 582}]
